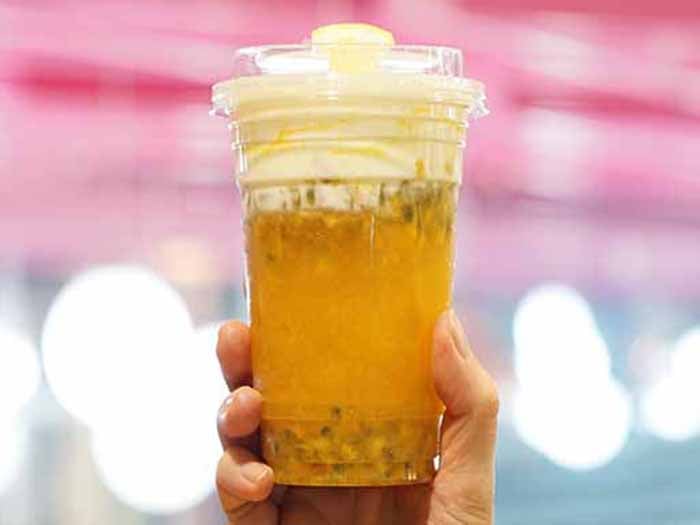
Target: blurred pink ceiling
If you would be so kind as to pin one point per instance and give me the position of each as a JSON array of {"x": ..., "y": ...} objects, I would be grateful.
[{"x": 107, "y": 146}]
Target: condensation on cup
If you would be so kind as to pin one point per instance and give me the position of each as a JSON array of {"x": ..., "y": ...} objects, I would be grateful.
[{"x": 348, "y": 155}]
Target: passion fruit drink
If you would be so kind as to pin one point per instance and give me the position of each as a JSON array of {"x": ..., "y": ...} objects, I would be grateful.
[{"x": 349, "y": 175}]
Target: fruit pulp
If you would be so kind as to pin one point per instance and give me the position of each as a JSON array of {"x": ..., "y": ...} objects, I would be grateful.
[{"x": 345, "y": 283}]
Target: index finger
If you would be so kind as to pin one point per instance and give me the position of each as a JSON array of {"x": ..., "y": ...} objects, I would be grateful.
[{"x": 233, "y": 351}]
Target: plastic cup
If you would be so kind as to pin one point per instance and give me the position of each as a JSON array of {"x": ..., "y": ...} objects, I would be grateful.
[{"x": 349, "y": 179}]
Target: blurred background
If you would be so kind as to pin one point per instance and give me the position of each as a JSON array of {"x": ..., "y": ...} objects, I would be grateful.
[{"x": 120, "y": 249}]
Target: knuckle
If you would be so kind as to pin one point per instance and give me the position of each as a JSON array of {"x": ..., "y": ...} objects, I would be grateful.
[{"x": 244, "y": 390}]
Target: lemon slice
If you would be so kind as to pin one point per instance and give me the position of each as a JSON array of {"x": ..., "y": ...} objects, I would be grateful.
[
  {"x": 352, "y": 48},
  {"x": 352, "y": 34}
]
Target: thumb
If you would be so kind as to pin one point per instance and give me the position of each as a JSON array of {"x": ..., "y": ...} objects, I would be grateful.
[
  {"x": 468, "y": 433},
  {"x": 463, "y": 385}
]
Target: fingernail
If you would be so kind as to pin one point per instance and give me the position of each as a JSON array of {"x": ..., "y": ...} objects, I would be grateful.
[
  {"x": 255, "y": 472},
  {"x": 227, "y": 403},
  {"x": 457, "y": 333}
]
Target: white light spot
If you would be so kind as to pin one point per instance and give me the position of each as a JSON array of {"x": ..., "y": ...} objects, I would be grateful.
[
  {"x": 20, "y": 374},
  {"x": 109, "y": 339},
  {"x": 162, "y": 456},
  {"x": 159, "y": 471},
  {"x": 556, "y": 340},
  {"x": 669, "y": 409},
  {"x": 13, "y": 451},
  {"x": 577, "y": 428},
  {"x": 568, "y": 406},
  {"x": 685, "y": 361}
]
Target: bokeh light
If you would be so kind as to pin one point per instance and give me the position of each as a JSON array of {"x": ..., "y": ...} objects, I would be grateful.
[
  {"x": 108, "y": 339},
  {"x": 20, "y": 378},
  {"x": 567, "y": 407},
  {"x": 161, "y": 458},
  {"x": 20, "y": 374},
  {"x": 577, "y": 428},
  {"x": 669, "y": 411},
  {"x": 13, "y": 452},
  {"x": 156, "y": 470},
  {"x": 212, "y": 387},
  {"x": 121, "y": 356},
  {"x": 685, "y": 361},
  {"x": 669, "y": 408},
  {"x": 556, "y": 340}
]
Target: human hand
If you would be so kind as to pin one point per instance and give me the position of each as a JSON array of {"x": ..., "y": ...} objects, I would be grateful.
[{"x": 461, "y": 492}]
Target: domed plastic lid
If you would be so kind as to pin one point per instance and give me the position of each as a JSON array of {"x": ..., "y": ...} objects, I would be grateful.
[{"x": 355, "y": 60}]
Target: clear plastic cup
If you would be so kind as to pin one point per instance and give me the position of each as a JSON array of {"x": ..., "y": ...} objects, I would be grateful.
[{"x": 349, "y": 159}]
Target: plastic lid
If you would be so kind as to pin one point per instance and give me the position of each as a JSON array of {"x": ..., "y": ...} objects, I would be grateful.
[{"x": 349, "y": 59}]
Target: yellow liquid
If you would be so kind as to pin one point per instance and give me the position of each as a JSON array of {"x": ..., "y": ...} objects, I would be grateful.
[{"x": 343, "y": 304}]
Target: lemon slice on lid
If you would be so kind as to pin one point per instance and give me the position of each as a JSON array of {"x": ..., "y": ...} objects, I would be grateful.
[
  {"x": 352, "y": 48},
  {"x": 352, "y": 34}
]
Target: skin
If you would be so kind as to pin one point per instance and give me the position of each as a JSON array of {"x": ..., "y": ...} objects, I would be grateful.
[{"x": 462, "y": 491}]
